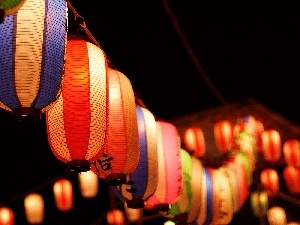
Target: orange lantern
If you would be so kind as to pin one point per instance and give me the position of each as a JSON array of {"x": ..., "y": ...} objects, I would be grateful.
[
  {"x": 121, "y": 155},
  {"x": 88, "y": 184},
  {"x": 6, "y": 216},
  {"x": 276, "y": 216},
  {"x": 194, "y": 141},
  {"x": 271, "y": 145},
  {"x": 270, "y": 180},
  {"x": 63, "y": 194},
  {"x": 291, "y": 152},
  {"x": 77, "y": 123},
  {"x": 34, "y": 208},
  {"x": 291, "y": 176},
  {"x": 169, "y": 167},
  {"x": 115, "y": 217},
  {"x": 223, "y": 133}
]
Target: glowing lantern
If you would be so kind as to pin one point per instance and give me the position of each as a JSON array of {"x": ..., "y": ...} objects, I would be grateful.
[
  {"x": 133, "y": 215},
  {"x": 115, "y": 217},
  {"x": 169, "y": 167},
  {"x": 223, "y": 133},
  {"x": 291, "y": 152},
  {"x": 121, "y": 155},
  {"x": 271, "y": 145},
  {"x": 88, "y": 184},
  {"x": 77, "y": 122},
  {"x": 259, "y": 203},
  {"x": 8, "y": 7},
  {"x": 34, "y": 208},
  {"x": 276, "y": 216},
  {"x": 142, "y": 182},
  {"x": 270, "y": 180},
  {"x": 33, "y": 42},
  {"x": 194, "y": 141},
  {"x": 6, "y": 216},
  {"x": 63, "y": 194},
  {"x": 291, "y": 176}
]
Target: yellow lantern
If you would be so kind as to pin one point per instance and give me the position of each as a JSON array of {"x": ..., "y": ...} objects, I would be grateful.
[
  {"x": 276, "y": 216},
  {"x": 6, "y": 216},
  {"x": 63, "y": 194},
  {"x": 34, "y": 208},
  {"x": 88, "y": 184}
]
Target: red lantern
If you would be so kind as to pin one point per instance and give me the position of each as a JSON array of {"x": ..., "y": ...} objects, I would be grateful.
[
  {"x": 291, "y": 152},
  {"x": 121, "y": 155},
  {"x": 115, "y": 217},
  {"x": 291, "y": 176},
  {"x": 223, "y": 133},
  {"x": 194, "y": 141},
  {"x": 259, "y": 129},
  {"x": 6, "y": 216},
  {"x": 63, "y": 194},
  {"x": 271, "y": 145},
  {"x": 77, "y": 123},
  {"x": 270, "y": 180}
]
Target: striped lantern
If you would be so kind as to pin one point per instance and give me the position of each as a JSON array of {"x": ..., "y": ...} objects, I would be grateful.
[
  {"x": 271, "y": 145},
  {"x": 276, "y": 216},
  {"x": 223, "y": 133},
  {"x": 169, "y": 167},
  {"x": 196, "y": 185},
  {"x": 88, "y": 184},
  {"x": 6, "y": 216},
  {"x": 121, "y": 155},
  {"x": 77, "y": 122},
  {"x": 291, "y": 152},
  {"x": 33, "y": 43},
  {"x": 34, "y": 208},
  {"x": 291, "y": 176},
  {"x": 8, "y": 7},
  {"x": 259, "y": 203},
  {"x": 270, "y": 180},
  {"x": 63, "y": 194},
  {"x": 180, "y": 208},
  {"x": 194, "y": 141},
  {"x": 142, "y": 182}
]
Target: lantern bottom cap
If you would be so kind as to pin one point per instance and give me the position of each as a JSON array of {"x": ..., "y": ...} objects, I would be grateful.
[
  {"x": 79, "y": 165},
  {"x": 135, "y": 203},
  {"x": 27, "y": 114},
  {"x": 115, "y": 179}
]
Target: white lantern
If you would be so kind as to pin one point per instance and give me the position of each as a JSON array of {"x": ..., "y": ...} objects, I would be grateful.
[
  {"x": 88, "y": 184},
  {"x": 34, "y": 208}
]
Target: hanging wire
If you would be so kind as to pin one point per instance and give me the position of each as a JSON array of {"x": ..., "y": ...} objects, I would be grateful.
[{"x": 192, "y": 55}]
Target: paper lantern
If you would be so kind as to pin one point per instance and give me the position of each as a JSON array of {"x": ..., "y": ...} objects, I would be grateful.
[
  {"x": 194, "y": 141},
  {"x": 63, "y": 194},
  {"x": 115, "y": 217},
  {"x": 88, "y": 184},
  {"x": 33, "y": 43},
  {"x": 6, "y": 216},
  {"x": 77, "y": 122},
  {"x": 223, "y": 133},
  {"x": 271, "y": 145},
  {"x": 270, "y": 180},
  {"x": 291, "y": 152},
  {"x": 276, "y": 216},
  {"x": 169, "y": 167},
  {"x": 142, "y": 182},
  {"x": 259, "y": 203},
  {"x": 291, "y": 176},
  {"x": 34, "y": 208},
  {"x": 8, "y": 7},
  {"x": 121, "y": 155}
]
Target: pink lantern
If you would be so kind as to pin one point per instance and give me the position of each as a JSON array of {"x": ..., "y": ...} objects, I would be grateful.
[
  {"x": 271, "y": 145},
  {"x": 291, "y": 176},
  {"x": 291, "y": 152},
  {"x": 63, "y": 194},
  {"x": 194, "y": 141},
  {"x": 223, "y": 133},
  {"x": 270, "y": 180},
  {"x": 6, "y": 216}
]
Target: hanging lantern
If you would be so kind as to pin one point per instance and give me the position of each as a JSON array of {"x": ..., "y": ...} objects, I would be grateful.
[
  {"x": 276, "y": 216},
  {"x": 291, "y": 176},
  {"x": 142, "y": 182},
  {"x": 6, "y": 216},
  {"x": 259, "y": 203},
  {"x": 270, "y": 180},
  {"x": 115, "y": 217},
  {"x": 291, "y": 152},
  {"x": 223, "y": 133},
  {"x": 169, "y": 167},
  {"x": 133, "y": 215},
  {"x": 194, "y": 141},
  {"x": 88, "y": 184},
  {"x": 34, "y": 208},
  {"x": 32, "y": 58},
  {"x": 77, "y": 123},
  {"x": 271, "y": 145},
  {"x": 63, "y": 194},
  {"x": 121, "y": 155}
]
